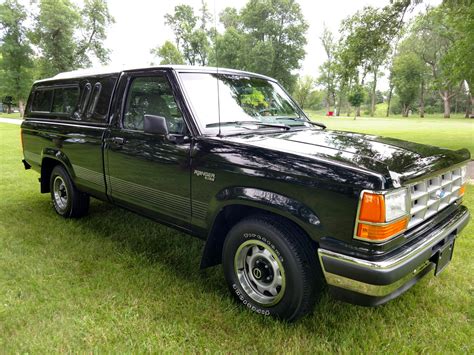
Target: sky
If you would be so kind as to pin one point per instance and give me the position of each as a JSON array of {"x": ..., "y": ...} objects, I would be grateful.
[{"x": 140, "y": 26}]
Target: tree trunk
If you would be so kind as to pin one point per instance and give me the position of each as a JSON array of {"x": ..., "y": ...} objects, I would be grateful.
[
  {"x": 21, "y": 107},
  {"x": 358, "y": 111},
  {"x": 470, "y": 106},
  {"x": 374, "y": 87},
  {"x": 447, "y": 104},
  {"x": 422, "y": 99},
  {"x": 470, "y": 101},
  {"x": 389, "y": 100}
]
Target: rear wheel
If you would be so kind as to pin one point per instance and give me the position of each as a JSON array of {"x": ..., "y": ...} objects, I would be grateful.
[
  {"x": 271, "y": 267},
  {"x": 68, "y": 201}
]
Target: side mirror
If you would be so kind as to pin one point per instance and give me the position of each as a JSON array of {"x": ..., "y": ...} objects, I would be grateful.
[{"x": 155, "y": 124}]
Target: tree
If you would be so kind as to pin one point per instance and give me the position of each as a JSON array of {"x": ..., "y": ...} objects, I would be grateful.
[
  {"x": 431, "y": 38},
  {"x": 303, "y": 88},
  {"x": 407, "y": 75},
  {"x": 356, "y": 97},
  {"x": 191, "y": 33},
  {"x": 328, "y": 69},
  {"x": 460, "y": 19},
  {"x": 168, "y": 53},
  {"x": 229, "y": 17},
  {"x": 368, "y": 35},
  {"x": 95, "y": 20},
  {"x": 282, "y": 34},
  {"x": 54, "y": 35},
  {"x": 67, "y": 36},
  {"x": 16, "y": 64}
]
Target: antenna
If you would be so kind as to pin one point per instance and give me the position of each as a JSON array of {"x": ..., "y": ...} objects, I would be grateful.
[{"x": 217, "y": 70}]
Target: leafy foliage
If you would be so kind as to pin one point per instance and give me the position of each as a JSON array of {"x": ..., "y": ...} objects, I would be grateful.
[
  {"x": 407, "y": 75},
  {"x": 52, "y": 36},
  {"x": 273, "y": 47},
  {"x": 303, "y": 89},
  {"x": 15, "y": 52},
  {"x": 356, "y": 96},
  {"x": 191, "y": 33},
  {"x": 168, "y": 53}
]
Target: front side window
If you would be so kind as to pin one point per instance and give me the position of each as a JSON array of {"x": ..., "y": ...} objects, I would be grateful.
[
  {"x": 152, "y": 96},
  {"x": 242, "y": 100}
]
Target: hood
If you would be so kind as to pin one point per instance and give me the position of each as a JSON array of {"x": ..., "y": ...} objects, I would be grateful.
[{"x": 392, "y": 158}]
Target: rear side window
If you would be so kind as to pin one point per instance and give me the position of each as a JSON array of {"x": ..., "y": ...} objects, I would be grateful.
[
  {"x": 86, "y": 94},
  {"x": 42, "y": 100},
  {"x": 98, "y": 105},
  {"x": 65, "y": 100},
  {"x": 95, "y": 98}
]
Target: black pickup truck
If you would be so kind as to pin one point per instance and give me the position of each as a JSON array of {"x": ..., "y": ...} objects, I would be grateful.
[{"x": 284, "y": 204}]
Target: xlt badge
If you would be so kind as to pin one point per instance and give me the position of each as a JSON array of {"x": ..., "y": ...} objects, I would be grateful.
[{"x": 208, "y": 176}]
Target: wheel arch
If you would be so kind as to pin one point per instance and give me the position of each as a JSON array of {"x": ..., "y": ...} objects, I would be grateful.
[
  {"x": 51, "y": 158},
  {"x": 239, "y": 203}
]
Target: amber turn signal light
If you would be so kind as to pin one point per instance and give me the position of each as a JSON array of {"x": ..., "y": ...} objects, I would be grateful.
[
  {"x": 381, "y": 232},
  {"x": 462, "y": 190},
  {"x": 372, "y": 208}
]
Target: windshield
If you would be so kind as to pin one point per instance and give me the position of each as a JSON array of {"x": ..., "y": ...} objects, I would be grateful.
[{"x": 245, "y": 102}]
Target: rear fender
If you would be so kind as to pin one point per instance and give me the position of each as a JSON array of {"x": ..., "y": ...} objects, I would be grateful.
[{"x": 49, "y": 158}]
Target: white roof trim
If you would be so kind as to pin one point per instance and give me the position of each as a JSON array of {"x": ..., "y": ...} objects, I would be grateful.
[{"x": 118, "y": 69}]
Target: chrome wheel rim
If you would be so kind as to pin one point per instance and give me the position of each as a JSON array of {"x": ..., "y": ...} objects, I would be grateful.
[
  {"x": 260, "y": 272},
  {"x": 60, "y": 193}
]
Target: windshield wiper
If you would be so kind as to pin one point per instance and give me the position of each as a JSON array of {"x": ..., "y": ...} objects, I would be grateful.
[
  {"x": 241, "y": 123},
  {"x": 323, "y": 126}
]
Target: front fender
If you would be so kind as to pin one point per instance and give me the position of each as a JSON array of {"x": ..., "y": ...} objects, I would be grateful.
[
  {"x": 264, "y": 200},
  {"x": 270, "y": 201}
]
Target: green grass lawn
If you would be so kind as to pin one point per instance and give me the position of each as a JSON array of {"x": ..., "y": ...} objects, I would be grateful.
[
  {"x": 10, "y": 115},
  {"x": 453, "y": 133},
  {"x": 117, "y": 282}
]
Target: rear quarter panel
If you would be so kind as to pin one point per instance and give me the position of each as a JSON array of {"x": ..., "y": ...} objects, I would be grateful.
[{"x": 77, "y": 147}]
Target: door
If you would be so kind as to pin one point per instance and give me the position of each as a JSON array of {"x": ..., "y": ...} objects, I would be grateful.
[{"x": 149, "y": 172}]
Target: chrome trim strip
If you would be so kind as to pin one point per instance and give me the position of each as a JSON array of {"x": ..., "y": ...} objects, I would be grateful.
[
  {"x": 426, "y": 243},
  {"x": 432, "y": 174},
  {"x": 372, "y": 290}
]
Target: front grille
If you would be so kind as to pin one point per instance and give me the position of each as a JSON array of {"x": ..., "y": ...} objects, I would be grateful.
[{"x": 430, "y": 196}]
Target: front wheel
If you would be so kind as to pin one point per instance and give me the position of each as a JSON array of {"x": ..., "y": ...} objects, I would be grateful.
[
  {"x": 68, "y": 201},
  {"x": 271, "y": 267}
]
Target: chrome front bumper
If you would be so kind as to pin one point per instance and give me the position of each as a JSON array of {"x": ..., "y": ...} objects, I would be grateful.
[{"x": 375, "y": 282}]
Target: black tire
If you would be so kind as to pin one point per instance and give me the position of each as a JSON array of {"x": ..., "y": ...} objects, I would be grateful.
[
  {"x": 68, "y": 201},
  {"x": 279, "y": 244}
]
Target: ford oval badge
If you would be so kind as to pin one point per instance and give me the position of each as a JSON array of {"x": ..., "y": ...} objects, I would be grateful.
[{"x": 440, "y": 194}]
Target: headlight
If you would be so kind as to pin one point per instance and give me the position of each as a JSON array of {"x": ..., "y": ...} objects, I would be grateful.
[{"x": 395, "y": 205}]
